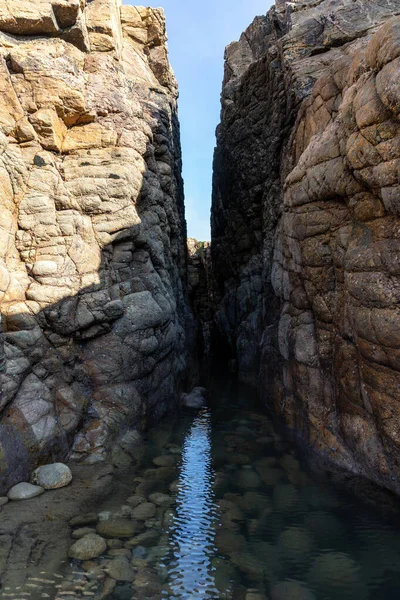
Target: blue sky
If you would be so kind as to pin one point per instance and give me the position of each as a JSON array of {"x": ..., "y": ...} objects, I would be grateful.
[{"x": 198, "y": 33}]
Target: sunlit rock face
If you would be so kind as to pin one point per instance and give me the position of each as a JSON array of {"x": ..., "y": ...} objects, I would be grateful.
[
  {"x": 92, "y": 232},
  {"x": 306, "y": 224}
]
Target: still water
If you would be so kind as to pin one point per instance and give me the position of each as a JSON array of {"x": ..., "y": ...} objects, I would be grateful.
[{"x": 225, "y": 509}]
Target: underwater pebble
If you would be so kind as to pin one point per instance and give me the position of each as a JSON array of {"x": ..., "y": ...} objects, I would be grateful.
[{"x": 90, "y": 546}]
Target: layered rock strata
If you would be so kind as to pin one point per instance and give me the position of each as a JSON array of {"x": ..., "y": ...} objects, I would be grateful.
[
  {"x": 95, "y": 318},
  {"x": 306, "y": 223}
]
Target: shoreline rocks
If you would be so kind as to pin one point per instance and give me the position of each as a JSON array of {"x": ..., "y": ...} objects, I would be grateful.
[
  {"x": 25, "y": 491},
  {"x": 52, "y": 477}
]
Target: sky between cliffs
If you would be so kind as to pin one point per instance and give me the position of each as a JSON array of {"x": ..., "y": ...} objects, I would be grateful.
[{"x": 198, "y": 34}]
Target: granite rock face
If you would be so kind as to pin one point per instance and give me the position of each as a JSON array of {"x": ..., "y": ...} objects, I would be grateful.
[
  {"x": 306, "y": 224},
  {"x": 93, "y": 300}
]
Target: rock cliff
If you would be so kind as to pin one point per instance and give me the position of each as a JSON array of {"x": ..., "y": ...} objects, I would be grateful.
[
  {"x": 96, "y": 324},
  {"x": 306, "y": 225}
]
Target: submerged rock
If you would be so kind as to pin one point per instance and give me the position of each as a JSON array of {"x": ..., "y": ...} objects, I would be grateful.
[
  {"x": 117, "y": 528},
  {"x": 165, "y": 460},
  {"x": 291, "y": 590},
  {"x": 85, "y": 519},
  {"x": 144, "y": 511},
  {"x": 336, "y": 571},
  {"x": 120, "y": 569},
  {"x": 296, "y": 544},
  {"x": 88, "y": 547},
  {"x": 51, "y": 477},
  {"x": 25, "y": 491}
]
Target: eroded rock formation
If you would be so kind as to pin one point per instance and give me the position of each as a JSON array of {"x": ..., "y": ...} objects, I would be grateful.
[
  {"x": 306, "y": 223},
  {"x": 95, "y": 319}
]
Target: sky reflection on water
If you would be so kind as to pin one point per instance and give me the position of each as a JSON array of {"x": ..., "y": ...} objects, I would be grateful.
[{"x": 192, "y": 540}]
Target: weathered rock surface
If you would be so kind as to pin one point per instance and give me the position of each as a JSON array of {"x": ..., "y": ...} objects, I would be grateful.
[
  {"x": 94, "y": 310},
  {"x": 25, "y": 491},
  {"x": 88, "y": 547},
  {"x": 306, "y": 224},
  {"x": 52, "y": 477}
]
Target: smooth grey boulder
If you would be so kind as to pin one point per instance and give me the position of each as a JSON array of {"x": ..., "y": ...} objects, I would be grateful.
[
  {"x": 51, "y": 477},
  {"x": 25, "y": 491},
  {"x": 196, "y": 398}
]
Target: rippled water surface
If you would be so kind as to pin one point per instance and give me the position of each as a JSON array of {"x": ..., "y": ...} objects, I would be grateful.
[{"x": 230, "y": 512}]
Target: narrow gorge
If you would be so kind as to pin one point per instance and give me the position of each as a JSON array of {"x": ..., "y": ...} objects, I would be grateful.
[{"x": 111, "y": 317}]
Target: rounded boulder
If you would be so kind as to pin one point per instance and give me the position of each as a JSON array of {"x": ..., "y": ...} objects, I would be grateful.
[{"x": 51, "y": 477}]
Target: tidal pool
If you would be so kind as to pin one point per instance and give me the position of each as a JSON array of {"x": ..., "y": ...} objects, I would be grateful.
[{"x": 221, "y": 506}]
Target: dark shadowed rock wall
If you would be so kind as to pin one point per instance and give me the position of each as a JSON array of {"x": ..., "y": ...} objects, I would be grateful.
[
  {"x": 96, "y": 326},
  {"x": 306, "y": 224}
]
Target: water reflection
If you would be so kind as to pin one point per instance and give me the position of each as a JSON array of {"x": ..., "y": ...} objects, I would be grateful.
[
  {"x": 220, "y": 506},
  {"x": 193, "y": 530}
]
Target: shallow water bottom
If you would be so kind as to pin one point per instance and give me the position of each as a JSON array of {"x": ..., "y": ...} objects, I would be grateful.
[{"x": 221, "y": 507}]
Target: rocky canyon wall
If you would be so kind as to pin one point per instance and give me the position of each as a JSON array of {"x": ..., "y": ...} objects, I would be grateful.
[
  {"x": 96, "y": 326},
  {"x": 306, "y": 224}
]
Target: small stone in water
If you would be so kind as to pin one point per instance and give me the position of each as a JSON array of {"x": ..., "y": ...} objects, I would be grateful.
[
  {"x": 254, "y": 595},
  {"x": 248, "y": 479},
  {"x": 88, "y": 547},
  {"x": 3, "y": 500},
  {"x": 119, "y": 552},
  {"x": 120, "y": 569},
  {"x": 139, "y": 552},
  {"x": 52, "y": 477},
  {"x": 79, "y": 533},
  {"x": 24, "y": 491},
  {"x": 135, "y": 500},
  {"x": 144, "y": 511},
  {"x": 334, "y": 570},
  {"x": 86, "y": 519},
  {"x": 148, "y": 538},
  {"x": 117, "y": 528},
  {"x": 95, "y": 574},
  {"x": 114, "y": 544},
  {"x": 174, "y": 487},
  {"x": 165, "y": 461},
  {"x": 105, "y": 515},
  {"x": 291, "y": 590},
  {"x": 161, "y": 499},
  {"x": 296, "y": 543}
]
